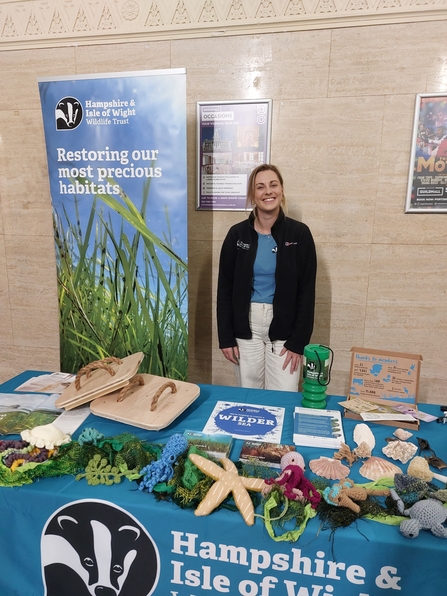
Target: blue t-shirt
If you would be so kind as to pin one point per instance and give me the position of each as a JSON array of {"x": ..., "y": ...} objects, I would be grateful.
[{"x": 264, "y": 270}]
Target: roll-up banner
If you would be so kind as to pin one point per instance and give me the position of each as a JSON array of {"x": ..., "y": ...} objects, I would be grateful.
[{"x": 116, "y": 150}]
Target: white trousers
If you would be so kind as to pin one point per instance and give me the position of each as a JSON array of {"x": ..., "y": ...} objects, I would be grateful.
[{"x": 260, "y": 365}]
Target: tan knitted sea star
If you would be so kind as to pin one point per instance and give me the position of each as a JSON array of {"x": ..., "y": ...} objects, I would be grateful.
[{"x": 228, "y": 481}]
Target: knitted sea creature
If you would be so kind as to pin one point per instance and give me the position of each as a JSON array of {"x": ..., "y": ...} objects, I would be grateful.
[
  {"x": 344, "y": 493},
  {"x": 90, "y": 436},
  {"x": 410, "y": 489},
  {"x": 293, "y": 482},
  {"x": 227, "y": 481},
  {"x": 162, "y": 470},
  {"x": 428, "y": 514},
  {"x": 48, "y": 436}
]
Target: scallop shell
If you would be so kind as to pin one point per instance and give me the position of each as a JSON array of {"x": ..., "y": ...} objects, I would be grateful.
[
  {"x": 330, "y": 468},
  {"x": 400, "y": 450},
  {"x": 363, "y": 434},
  {"x": 402, "y": 434},
  {"x": 375, "y": 468}
]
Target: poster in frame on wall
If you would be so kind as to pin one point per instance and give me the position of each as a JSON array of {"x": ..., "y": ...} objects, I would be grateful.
[
  {"x": 233, "y": 138},
  {"x": 427, "y": 181}
]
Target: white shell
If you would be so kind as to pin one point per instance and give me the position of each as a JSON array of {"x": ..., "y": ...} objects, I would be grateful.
[
  {"x": 330, "y": 468},
  {"x": 363, "y": 434},
  {"x": 376, "y": 468},
  {"x": 400, "y": 450},
  {"x": 402, "y": 434},
  {"x": 48, "y": 436}
]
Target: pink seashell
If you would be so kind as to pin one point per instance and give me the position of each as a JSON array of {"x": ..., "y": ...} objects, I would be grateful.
[
  {"x": 330, "y": 468},
  {"x": 376, "y": 468}
]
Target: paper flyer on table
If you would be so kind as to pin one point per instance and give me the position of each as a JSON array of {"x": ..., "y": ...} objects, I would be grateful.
[
  {"x": 320, "y": 428},
  {"x": 378, "y": 416},
  {"x": 20, "y": 411},
  {"x": 246, "y": 421},
  {"x": 50, "y": 383}
]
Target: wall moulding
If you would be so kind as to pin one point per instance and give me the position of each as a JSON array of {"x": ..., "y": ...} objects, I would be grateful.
[{"x": 26, "y": 24}]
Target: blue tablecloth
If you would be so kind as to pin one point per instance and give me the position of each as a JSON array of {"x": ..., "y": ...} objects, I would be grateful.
[{"x": 217, "y": 554}]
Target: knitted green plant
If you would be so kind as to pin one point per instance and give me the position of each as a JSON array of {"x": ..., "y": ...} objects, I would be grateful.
[{"x": 99, "y": 471}]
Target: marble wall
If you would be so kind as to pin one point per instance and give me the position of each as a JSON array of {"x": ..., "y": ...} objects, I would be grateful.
[{"x": 343, "y": 110}]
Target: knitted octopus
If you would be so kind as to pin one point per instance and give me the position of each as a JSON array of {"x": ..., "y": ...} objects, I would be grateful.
[
  {"x": 162, "y": 470},
  {"x": 293, "y": 482}
]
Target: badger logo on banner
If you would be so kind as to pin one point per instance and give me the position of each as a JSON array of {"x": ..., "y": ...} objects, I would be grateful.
[
  {"x": 68, "y": 113},
  {"x": 93, "y": 547}
]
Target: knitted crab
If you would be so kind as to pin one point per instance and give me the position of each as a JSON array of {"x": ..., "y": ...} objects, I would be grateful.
[{"x": 427, "y": 514}]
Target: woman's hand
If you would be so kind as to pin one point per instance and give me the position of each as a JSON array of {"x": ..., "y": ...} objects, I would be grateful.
[
  {"x": 292, "y": 358},
  {"x": 231, "y": 354}
]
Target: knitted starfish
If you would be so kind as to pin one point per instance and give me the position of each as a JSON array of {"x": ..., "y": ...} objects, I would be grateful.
[{"x": 228, "y": 481}]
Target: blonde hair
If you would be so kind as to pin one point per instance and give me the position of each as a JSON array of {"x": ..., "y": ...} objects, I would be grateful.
[{"x": 265, "y": 167}]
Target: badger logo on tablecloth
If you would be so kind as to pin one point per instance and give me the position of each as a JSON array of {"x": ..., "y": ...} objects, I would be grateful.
[{"x": 92, "y": 548}]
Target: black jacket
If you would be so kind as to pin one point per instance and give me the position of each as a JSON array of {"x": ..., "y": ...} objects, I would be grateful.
[{"x": 294, "y": 299}]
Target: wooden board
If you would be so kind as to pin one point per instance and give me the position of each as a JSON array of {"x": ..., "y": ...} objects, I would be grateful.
[
  {"x": 135, "y": 408},
  {"x": 100, "y": 382}
]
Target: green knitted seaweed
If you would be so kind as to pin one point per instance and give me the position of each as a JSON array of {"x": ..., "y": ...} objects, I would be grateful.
[
  {"x": 185, "y": 497},
  {"x": 99, "y": 471},
  {"x": 125, "y": 452}
]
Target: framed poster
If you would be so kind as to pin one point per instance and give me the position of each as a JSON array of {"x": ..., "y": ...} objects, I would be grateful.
[
  {"x": 233, "y": 138},
  {"x": 427, "y": 181}
]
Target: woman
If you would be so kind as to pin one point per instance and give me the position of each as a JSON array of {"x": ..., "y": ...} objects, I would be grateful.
[{"x": 266, "y": 288}]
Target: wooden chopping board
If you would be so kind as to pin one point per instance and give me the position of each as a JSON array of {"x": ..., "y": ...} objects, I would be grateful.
[
  {"x": 99, "y": 382},
  {"x": 135, "y": 407}
]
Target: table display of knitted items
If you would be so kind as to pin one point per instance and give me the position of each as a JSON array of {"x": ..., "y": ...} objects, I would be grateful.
[
  {"x": 126, "y": 452},
  {"x": 162, "y": 470}
]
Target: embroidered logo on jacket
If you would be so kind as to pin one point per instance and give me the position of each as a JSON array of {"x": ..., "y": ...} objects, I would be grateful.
[
  {"x": 290, "y": 243},
  {"x": 241, "y": 244}
]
